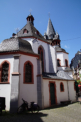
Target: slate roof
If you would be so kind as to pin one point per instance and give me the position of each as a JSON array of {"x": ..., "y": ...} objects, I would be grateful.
[
  {"x": 63, "y": 75},
  {"x": 15, "y": 44},
  {"x": 50, "y": 28},
  {"x": 74, "y": 61},
  {"x": 59, "y": 49},
  {"x": 32, "y": 32},
  {"x": 67, "y": 69},
  {"x": 59, "y": 75}
]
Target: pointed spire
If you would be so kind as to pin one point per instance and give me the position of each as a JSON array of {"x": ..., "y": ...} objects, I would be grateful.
[{"x": 50, "y": 30}]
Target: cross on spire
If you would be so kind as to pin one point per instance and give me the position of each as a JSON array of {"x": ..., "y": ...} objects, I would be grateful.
[
  {"x": 49, "y": 14},
  {"x": 30, "y": 11}
]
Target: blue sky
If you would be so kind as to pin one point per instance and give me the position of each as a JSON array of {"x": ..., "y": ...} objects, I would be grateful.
[{"x": 65, "y": 16}]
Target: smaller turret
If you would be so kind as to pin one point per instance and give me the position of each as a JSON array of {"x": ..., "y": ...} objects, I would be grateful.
[
  {"x": 30, "y": 19},
  {"x": 50, "y": 30},
  {"x": 51, "y": 35},
  {"x": 45, "y": 36}
]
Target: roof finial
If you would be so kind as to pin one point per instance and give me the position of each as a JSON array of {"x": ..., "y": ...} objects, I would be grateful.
[
  {"x": 17, "y": 30},
  {"x": 49, "y": 14},
  {"x": 56, "y": 32},
  {"x": 30, "y": 11}
]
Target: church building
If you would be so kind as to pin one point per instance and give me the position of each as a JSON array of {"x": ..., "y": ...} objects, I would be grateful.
[{"x": 35, "y": 68}]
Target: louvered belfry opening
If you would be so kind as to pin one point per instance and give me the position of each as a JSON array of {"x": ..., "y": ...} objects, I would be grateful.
[
  {"x": 66, "y": 63},
  {"x": 28, "y": 73},
  {"x": 5, "y": 69},
  {"x": 40, "y": 51}
]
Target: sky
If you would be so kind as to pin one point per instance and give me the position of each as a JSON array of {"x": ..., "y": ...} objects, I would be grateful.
[{"x": 64, "y": 14}]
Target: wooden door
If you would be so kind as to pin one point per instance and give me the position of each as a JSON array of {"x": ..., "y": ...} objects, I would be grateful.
[{"x": 52, "y": 93}]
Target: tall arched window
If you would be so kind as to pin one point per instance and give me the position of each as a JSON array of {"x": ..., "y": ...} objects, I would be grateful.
[
  {"x": 58, "y": 62},
  {"x": 40, "y": 51},
  {"x": 5, "y": 71},
  {"x": 66, "y": 62},
  {"x": 61, "y": 87},
  {"x": 28, "y": 72}
]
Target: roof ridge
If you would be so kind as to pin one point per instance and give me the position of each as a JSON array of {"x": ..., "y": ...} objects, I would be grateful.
[
  {"x": 21, "y": 29},
  {"x": 36, "y": 29},
  {"x": 31, "y": 28}
]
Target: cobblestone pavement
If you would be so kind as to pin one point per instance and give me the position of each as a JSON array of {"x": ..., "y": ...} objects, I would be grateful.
[{"x": 70, "y": 113}]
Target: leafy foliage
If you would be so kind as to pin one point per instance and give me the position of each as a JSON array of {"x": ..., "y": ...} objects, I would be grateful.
[{"x": 79, "y": 82}]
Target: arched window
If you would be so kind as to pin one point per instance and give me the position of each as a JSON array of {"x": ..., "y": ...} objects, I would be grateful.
[
  {"x": 28, "y": 72},
  {"x": 25, "y": 31},
  {"x": 5, "y": 71},
  {"x": 66, "y": 62},
  {"x": 40, "y": 51},
  {"x": 61, "y": 87},
  {"x": 58, "y": 62}
]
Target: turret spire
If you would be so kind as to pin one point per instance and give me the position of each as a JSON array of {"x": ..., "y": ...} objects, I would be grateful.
[{"x": 50, "y": 30}]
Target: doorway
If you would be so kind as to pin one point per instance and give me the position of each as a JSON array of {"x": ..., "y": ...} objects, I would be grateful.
[{"x": 52, "y": 93}]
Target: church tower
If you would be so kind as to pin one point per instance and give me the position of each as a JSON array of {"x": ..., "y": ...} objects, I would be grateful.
[{"x": 51, "y": 35}]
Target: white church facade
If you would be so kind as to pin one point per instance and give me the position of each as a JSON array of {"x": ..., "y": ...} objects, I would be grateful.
[{"x": 35, "y": 68}]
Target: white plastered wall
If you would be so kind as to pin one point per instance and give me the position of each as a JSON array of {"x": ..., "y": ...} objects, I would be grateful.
[
  {"x": 72, "y": 92},
  {"x": 5, "y": 89},
  {"x": 61, "y": 96},
  {"x": 28, "y": 91},
  {"x": 38, "y": 43},
  {"x": 62, "y": 56},
  {"x": 29, "y": 40},
  {"x": 54, "y": 57},
  {"x": 35, "y": 43}
]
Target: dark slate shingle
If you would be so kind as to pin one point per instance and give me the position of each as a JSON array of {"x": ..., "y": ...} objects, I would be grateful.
[
  {"x": 15, "y": 44},
  {"x": 32, "y": 32},
  {"x": 59, "y": 75}
]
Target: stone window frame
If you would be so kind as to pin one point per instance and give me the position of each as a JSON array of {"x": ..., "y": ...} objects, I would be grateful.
[
  {"x": 8, "y": 72},
  {"x": 32, "y": 82},
  {"x": 61, "y": 84},
  {"x": 59, "y": 62},
  {"x": 66, "y": 63}
]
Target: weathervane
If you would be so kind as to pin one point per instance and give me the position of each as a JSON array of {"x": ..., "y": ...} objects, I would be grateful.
[
  {"x": 49, "y": 14},
  {"x": 30, "y": 11},
  {"x": 17, "y": 30}
]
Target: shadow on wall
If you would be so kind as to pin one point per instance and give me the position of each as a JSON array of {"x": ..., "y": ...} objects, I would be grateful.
[
  {"x": 51, "y": 69},
  {"x": 13, "y": 105}
]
